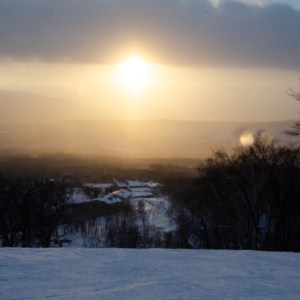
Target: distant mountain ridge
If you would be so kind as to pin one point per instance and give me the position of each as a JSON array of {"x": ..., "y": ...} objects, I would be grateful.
[
  {"x": 35, "y": 123},
  {"x": 168, "y": 139}
]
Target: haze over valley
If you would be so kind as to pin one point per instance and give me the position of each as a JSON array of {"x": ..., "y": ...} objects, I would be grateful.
[{"x": 35, "y": 124}]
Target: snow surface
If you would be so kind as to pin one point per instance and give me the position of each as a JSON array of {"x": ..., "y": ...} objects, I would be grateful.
[
  {"x": 136, "y": 194},
  {"x": 142, "y": 189},
  {"x": 120, "y": 183},
  {"x": 98, "y": 185},
  {"x": 109, "y": 199},
  {"x": 135, "y": 183},
  {"x": 152, "y": 184},
  {"x": 124, "y": 194},
  {"x": 78, "y": 196},
  {"x": 68, "y": 273},
  {"x": 156, "y": 214}
]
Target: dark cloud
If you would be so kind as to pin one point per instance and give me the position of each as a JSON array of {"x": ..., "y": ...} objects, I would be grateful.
[{"x": 176, "y": 32}]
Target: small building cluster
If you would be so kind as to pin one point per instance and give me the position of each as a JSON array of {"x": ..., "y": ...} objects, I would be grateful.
[{"x": 125, "y": 190}]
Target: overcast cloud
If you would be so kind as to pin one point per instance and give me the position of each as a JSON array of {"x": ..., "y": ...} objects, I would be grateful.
[{"x": 173, "y": 32}]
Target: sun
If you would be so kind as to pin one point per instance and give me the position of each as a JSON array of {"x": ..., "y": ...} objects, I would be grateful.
[
  {"x": 246, "y": 139},
  {"x": 134, "y": 73}
]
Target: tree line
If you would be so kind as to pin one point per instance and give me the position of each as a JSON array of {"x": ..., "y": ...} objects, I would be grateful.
[
  {"x": 31, "y": 212},
  {"x": 247, "y": 200}
]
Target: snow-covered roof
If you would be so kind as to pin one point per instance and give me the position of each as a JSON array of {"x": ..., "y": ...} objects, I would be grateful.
[
  {"x": 98, "y": 185},
  {"x": 124, "y": 194},
  {"x": 120, "y": 183},
  {"x": 109, "y": 199},
  {"x": 152, "y": 184},
  {"x": 142, "y": 194},
  {"x": 141, "y": 189},
  {"x": 135, "y": 183}
]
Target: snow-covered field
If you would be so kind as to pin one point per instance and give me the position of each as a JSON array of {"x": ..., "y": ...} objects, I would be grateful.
[{"x": 68, "y": 273}]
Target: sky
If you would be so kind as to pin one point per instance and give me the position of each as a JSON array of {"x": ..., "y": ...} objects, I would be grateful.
[{"x": 197, "y": 59}]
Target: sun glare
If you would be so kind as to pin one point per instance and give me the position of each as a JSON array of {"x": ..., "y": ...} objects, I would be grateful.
[
  {"x": 134, "y": 73},
  {"x": 246, "y": 139}
]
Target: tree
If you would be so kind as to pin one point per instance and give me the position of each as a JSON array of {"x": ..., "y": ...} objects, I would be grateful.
[
  {"x": 121, "y": 230},
  {"x": 141, "y": 211},
  {"x": 31, "y": 212},
  {"x": 295, "y": 131},
  {"x": 248, "y": 200}
]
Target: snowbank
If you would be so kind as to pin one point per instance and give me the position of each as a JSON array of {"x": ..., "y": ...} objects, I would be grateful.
[{"x": 68, "y": 273}]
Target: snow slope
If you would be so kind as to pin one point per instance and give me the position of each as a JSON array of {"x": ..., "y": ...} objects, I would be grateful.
[{"x": 68, "y": 273}]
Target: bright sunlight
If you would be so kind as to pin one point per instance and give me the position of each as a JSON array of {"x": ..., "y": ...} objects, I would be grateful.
[
  {"x": 134, "y": 73},
  {"x": 246, "y": 139}
]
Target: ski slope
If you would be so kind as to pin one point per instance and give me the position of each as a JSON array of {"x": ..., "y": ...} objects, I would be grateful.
[{"x": 69, "y": 273}]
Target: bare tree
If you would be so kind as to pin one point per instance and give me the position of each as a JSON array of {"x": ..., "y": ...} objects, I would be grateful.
[
  {"x": 141, "y": 211},
  {"x": 295, "y": 129},
  {"x": 248, "y": 200},
  {"x": 30, "y": 212}
]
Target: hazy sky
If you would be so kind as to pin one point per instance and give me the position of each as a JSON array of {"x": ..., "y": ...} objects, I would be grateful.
[{"x": 210, "y": 60}]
